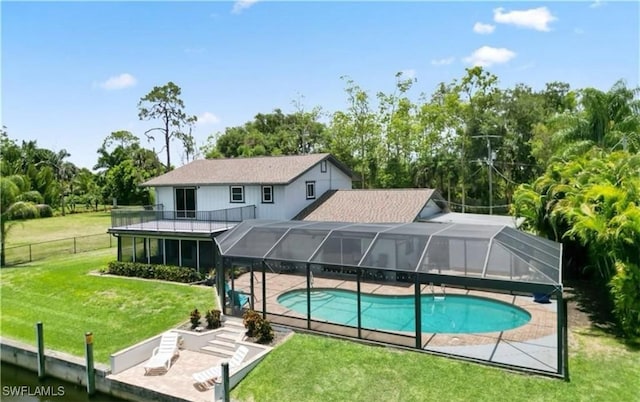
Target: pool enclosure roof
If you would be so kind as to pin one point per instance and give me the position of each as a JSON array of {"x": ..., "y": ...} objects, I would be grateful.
[{"x": 499, "y": 253}]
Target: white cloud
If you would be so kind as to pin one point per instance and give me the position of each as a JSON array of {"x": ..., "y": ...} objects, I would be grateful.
[
  {"x": 596, "y": 4},
  {"x": 121, "y": 81},
  {"x": 242, "y": 5},
  {"x": 443, "y": 62},
  {"x": 535, "y": 18},
  {"x": 484, "y": 29},
  {"x": 408, "y": 73},
  {"x": 487, "y": 56},
  {"x": 208, "y": 118}
]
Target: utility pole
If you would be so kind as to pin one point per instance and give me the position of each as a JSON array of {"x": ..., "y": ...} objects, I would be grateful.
[{"x": 491, "y": 156}]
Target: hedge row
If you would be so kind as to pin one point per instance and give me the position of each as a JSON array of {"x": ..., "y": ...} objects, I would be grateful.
[{"x": 152, "y": 271}]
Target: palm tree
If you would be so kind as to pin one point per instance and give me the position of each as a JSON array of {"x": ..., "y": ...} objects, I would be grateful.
[
  {"x": 11, "y": 206},
  {"x": 608, "y": 120},
  {"x": 594, "y": 200}
]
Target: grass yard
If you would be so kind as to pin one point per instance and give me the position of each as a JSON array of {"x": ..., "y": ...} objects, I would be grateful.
[
  {"x": 120, "y": 312},
  {"x": 58, "y": 227},
  {"x": 69, "y": 301},
  {"x": 315, "y": 368},
  {"x": 36, "y": 239}
]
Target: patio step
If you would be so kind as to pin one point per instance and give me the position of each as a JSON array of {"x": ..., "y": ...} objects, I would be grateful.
[
  {"x": 234, "y": 324},
  {"x": 230, "y": 336},
  {"x": 230, "y": 346},
  {"x": 216, "y": 351}
]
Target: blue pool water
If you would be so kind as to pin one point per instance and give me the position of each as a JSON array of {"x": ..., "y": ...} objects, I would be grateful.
[{"x": 454, "y": 314}]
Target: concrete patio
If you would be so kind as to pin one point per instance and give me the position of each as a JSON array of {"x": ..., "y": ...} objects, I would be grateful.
[{"x": 196, "y": 354}]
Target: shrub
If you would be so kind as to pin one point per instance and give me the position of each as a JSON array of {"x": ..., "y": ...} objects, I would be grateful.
[
  {"x": 22, "y": 210},
  {"x": 152, "y": 271},
  {"x": 31, "y": 196},
  {"x": 44, "y": 210},
  {"x": 264, "y": 332},
  {"x": 251, "y": 320},
  {"x": 625, "y": 286},
  {"x": 257, "y": 327},
  {"x": 213, "y": 319},
  {"x": 194, "y": 317}
]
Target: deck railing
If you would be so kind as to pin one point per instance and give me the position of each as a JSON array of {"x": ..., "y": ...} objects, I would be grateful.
[{"x": 184, "y": 219}]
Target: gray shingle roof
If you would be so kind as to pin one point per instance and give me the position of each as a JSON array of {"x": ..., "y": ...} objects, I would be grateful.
[
  {"x": 368, "y": 206},
  {"x": 260, "y": 170}
]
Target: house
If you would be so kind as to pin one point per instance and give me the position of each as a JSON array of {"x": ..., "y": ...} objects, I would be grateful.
[{"x": 204, "y": 198}]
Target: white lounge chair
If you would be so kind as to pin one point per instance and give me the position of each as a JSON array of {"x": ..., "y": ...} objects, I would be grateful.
[
  {"x": 208, "y": 377},
  {"x": 163, "y": 354}
]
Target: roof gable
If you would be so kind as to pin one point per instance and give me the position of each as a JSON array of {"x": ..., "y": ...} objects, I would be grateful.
[
  {"x": 259, "y": 170},
  {"x": 369, "y": 206}
]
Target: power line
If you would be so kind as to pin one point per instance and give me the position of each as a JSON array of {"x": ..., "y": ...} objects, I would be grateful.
[
  {"x": 480, "y": 206},
  {"x": 504, "y": 177}
]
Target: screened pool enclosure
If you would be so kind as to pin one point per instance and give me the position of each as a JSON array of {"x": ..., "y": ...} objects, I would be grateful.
[{"x": 416, "y": 285}]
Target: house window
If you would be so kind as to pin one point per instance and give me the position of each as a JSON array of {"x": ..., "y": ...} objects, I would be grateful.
[
  {"x": 311, "y": 190},
  {"x": 186, "y": 202},
  {"x": 237, "y": 193},
  {"x": 267, "y": 194},
  {"x": 323, "y": 167}
]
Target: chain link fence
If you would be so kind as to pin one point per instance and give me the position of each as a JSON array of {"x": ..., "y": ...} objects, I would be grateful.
[{"x": 72, "y": 245}]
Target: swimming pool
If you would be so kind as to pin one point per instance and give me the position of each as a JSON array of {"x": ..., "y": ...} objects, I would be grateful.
[{"x": 454, "y": 314}]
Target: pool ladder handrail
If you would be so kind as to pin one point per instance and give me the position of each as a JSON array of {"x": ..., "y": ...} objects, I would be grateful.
[{"x": 433, "y": 293}]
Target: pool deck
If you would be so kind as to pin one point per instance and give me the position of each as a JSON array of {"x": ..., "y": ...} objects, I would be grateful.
[
  {"x": 533, "y": 345},
  {"x": 177, "y": 382}
]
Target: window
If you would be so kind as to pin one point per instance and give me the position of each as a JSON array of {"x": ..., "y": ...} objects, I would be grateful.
[
  {"x": 237, "y": 193},
  {"x": 186, "y": 202},
  {"x": 311, "y": 190},
  {"x": 267, "y": 194},
  {"x": 323, "y": 167}
]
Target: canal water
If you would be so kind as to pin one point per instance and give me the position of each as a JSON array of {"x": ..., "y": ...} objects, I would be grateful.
[{"x": 20, "y": 385}]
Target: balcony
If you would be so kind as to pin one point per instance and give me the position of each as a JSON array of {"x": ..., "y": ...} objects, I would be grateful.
[{"x": 156, "y": 219}]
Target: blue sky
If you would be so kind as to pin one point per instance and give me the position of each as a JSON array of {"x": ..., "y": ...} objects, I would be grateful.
[{"x": 74, "y": 72}]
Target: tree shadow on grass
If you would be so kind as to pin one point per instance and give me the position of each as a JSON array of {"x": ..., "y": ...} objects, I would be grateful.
[{"x": 590, "y": 306}]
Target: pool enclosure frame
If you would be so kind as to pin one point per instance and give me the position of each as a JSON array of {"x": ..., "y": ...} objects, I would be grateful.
[{"x": 461, "y": 256}]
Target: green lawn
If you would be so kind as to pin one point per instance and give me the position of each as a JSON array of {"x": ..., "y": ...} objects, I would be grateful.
[
  {"x": 36, "y": 239},
  {"x": 69, "y": 301},
  {"x": 58, "y": 227},
  {"x": 121, "y": 312},
  {"x": 315, "y": 368}
]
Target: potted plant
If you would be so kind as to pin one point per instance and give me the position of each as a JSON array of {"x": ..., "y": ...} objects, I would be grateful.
[
  {"x": 194, "y": 317},
  {"x": 213, "y": 319}
]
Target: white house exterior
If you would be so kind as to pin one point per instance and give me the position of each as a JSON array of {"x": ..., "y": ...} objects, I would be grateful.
[
  {"x": 204, "y": 198},
  {"x": 280, "y": 195}
]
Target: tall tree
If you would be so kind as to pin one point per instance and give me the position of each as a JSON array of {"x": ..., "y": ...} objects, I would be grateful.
[
  {"x": 116, "y": 148},
  {"x": 164, "y": 103},
  {"x": 356, "y": 134},
  {"x": 607, "y": 119},
  {"x": 126, "y": 165},
  {"x": 397, "y": 117},
  {"x": 273, "y": 133}
]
